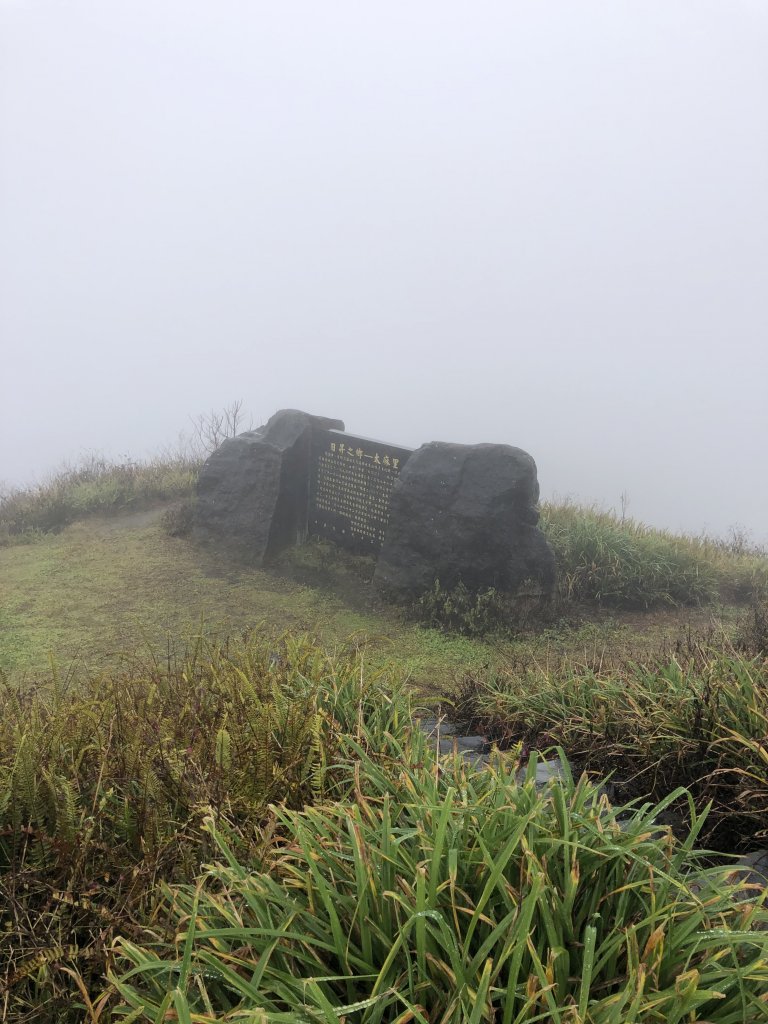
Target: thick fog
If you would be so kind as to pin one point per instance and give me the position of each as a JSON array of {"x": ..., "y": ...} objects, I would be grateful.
[{"x": 542, "y": 223}]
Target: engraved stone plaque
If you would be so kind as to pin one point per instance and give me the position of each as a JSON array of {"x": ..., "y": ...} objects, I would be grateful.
[{"x": 351, "y": 479}]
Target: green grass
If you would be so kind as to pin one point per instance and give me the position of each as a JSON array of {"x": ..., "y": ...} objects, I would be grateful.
[
  {"x": 624, "y": 564},
  {"x": 119, "y": 584},
  {"x": 163, "y": 708},
  {"x": 601, "y": 558},
  {"x": 444, "y": 894},
  {"x": 94, "y": 486},
  {"x": 698, "y": 719},
  {"x": 104, "y": 784},
  {"x": 354, "y": 874}
]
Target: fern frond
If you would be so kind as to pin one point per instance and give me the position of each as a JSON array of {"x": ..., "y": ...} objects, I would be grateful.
[{"x": 224, "y": 752}]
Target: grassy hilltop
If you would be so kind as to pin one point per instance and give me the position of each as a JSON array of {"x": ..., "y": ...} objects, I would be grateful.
[
  {"x": 162, "y": 711},
  {"x": 91, "y": 568}
]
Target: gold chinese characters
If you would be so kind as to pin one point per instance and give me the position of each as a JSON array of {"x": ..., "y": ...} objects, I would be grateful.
[
  {"x": 339, "y": 448},
  {"x": 352, "y": 490}
]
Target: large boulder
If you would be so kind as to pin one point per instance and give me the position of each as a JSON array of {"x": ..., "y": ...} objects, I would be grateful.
[
  {"x": 252, "y": 491},
  {"x": 465, "y": 513}
]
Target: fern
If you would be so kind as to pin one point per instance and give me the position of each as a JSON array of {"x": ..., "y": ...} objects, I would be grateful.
[
  {"x": 40, "y": 959},
  {"x": 25, "y": 779},
  {"x": 224, "y": 752},
  {"x": 103, "y": 787},
  {"x": 316, "y": 757}
]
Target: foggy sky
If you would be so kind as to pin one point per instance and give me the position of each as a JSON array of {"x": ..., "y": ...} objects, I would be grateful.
[{"x": 543, "y": 223}]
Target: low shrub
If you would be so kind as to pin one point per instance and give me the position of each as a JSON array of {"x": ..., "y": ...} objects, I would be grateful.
[
  {"x": 322, "y": 563},
  {"x": 178, "y": 519},
  {"x": 104, "y": 786},
  {"x": 477, "y": 613},
  {"x": 751, "y": 633},
  {"x": 456, "y": 896},
  {"x": 611, "y": 562},
  {"x": 698, "y": 720}
]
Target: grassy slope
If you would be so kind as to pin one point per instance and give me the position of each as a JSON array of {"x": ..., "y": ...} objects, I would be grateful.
[
  {"x": 118, "y": 584},
  {"x": 106, "y": 586}
]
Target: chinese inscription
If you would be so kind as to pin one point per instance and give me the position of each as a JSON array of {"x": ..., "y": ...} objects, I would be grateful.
[{"x": 350, "y": 486}]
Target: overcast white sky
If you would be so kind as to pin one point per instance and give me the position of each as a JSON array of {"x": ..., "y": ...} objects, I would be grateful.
[{"x": 542, "y": 223}]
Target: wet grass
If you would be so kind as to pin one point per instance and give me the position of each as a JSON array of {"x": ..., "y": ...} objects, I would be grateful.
[
  {"x": 696, "y": 717},
  {"x": 259, "y": 832},
  {"x": 446, "y": 894}
]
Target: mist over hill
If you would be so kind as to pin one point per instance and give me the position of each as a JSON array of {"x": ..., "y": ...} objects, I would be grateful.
[{"x": 543, "y": 225}]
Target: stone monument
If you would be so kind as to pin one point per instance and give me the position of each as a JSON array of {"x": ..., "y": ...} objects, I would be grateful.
[{"x": 445, "y": 511}]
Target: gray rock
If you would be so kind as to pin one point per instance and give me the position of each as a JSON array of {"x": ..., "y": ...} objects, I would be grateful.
[
  {"x": 548, "y": 770},
  {"x": 474, "y": 753},
  {"x": 435, "y": 726},
  {"x": 465, "y": 513},
  {"x": 463, "y": 744},
  {"x": 752, "y": 871},
  {"x": 446, "y": 745},
  {"x": 476, "y": 758},
  {"x": 474, "y": 750},
  {"x": 476, "y": 743},
  {"x": 252, "y": 491}
]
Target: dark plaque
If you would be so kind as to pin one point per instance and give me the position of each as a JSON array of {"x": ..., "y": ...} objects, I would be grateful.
[{"x": 350, "y": 483}]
